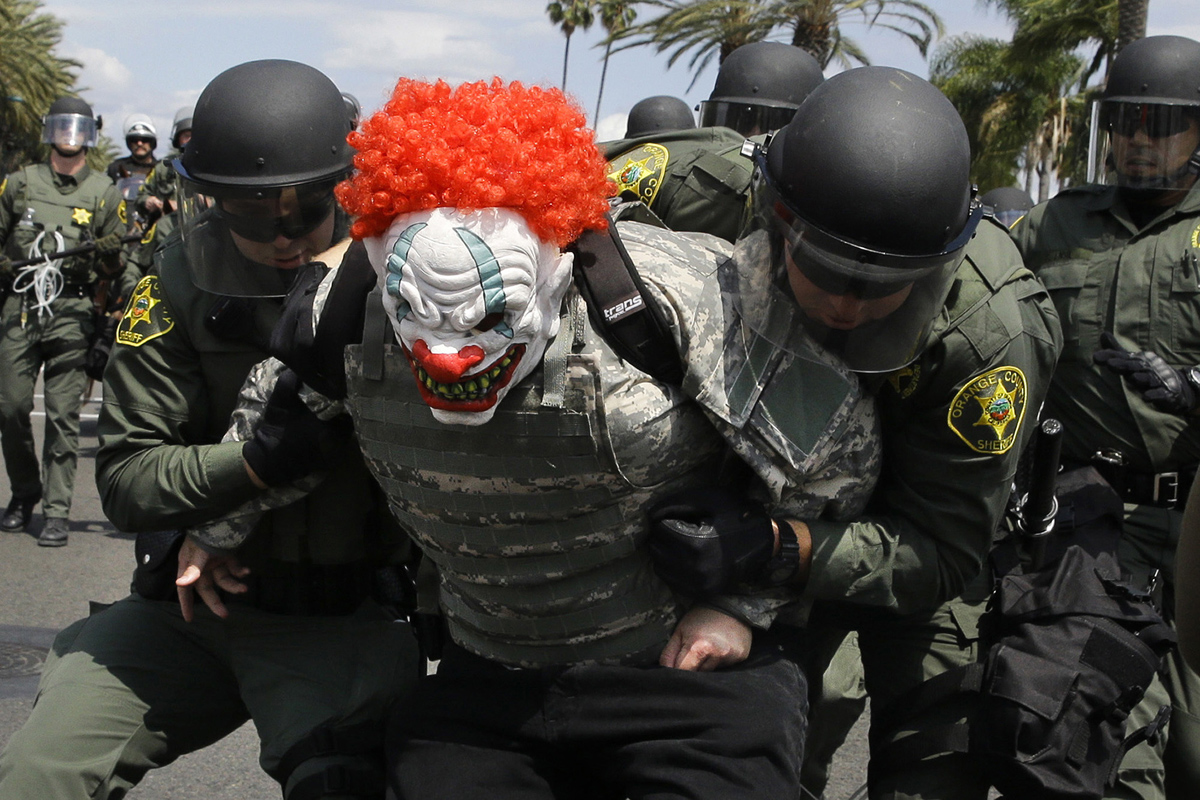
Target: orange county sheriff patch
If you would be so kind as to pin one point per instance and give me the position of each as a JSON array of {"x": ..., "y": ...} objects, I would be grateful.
[
  {"x": 640, "y": 171},
  {"x": 145, "y": 317},
  {"x": 987, "y": 412}
]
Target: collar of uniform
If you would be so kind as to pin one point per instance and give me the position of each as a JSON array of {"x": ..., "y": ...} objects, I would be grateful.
[{"x": 68, "y": 183}]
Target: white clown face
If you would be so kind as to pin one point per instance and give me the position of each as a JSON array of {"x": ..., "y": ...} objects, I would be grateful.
[{"x": 474, "y": 298}]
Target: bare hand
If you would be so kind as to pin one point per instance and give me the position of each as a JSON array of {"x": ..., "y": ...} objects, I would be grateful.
[
  {"x": 203, "y": 572},
  {"x": 153, "y": 204},
  {"x": 705, "y": 640}
]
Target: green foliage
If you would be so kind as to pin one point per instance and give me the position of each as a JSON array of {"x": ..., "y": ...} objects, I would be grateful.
[
  {"x": 708, "y": 29},
  {"x": 31, "y": 78}
]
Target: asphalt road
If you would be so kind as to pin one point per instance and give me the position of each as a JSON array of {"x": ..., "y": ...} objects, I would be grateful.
[{"x": 44, "y": 589}]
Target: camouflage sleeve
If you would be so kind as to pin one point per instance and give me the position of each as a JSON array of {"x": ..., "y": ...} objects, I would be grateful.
[{"x": 228, "y": 531}]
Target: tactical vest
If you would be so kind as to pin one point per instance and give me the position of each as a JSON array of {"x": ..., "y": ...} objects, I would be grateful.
[
  {"x": 534, "y": 518},
  {"x": 70, "y": 215}
]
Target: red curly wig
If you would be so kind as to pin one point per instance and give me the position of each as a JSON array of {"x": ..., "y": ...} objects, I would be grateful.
[{"x": 480, "y": 145}]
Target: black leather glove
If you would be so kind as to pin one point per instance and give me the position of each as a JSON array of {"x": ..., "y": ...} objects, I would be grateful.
[
  {"x": 706, "y": 541},
  {"x": 108, "y": 245},
  {"x": 291, "y": 441},
  {"x": 1159, "y": 384},
  {"x": 319, "y": 358},
  {"x": 100, "y": 349}
]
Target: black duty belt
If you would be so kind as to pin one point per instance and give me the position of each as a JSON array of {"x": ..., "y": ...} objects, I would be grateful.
[
  {"x": 76, "y": 290},
  {"x": 1166, "y": 489},
  {"x": 308, "y": 589},
  {"x": 1162, "y": 489}
]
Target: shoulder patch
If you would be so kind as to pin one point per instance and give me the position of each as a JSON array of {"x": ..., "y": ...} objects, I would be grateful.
[
  {"x": 3, "y": 185},
  {"x": 121, "y": 213},
  {"x": 904, "y": 381},
  {"x": 148, "y": 237},
  {"x": 1195, "y": 233},
  {"x": 145, "y": 317},
  {"x": 988, "y": 411},
  {"x": 640, "y": 171}
]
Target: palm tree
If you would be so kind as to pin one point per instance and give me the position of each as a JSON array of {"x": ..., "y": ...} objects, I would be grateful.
[
  {"x": 1018, "y": 114},
  {"x": 817, "y": 25},
  {"x": 1053, "y": 26},
  {"x": 615, "y": 16},
  {"x": 707, "y": 28},
  {"x": 1132, "y": 16},
  {"x": 31, "y": 77},
  {"x": 568, "y": 16}
]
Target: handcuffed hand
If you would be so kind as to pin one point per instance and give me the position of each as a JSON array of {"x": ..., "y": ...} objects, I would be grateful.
[
  {"x": 100, "y": 349},
  {"x": 706, "y": 541},
  {"x": 1159, "y": 384},
  {"x": 291, "y": 441}
]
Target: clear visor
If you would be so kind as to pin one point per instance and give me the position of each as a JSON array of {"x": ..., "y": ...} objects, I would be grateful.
[
  {"x": 250, "y": 246},
  {"x": 748, "y": 119},
  {"x": 1144, "y": 145},
  {"x": 69, "y": 130},
  {"x": 872, "y": 309}
]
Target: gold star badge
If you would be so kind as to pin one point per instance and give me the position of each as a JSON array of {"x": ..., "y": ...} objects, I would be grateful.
[
  {"x": 81, "y": 216},
  {"x": 640, "y": 171},
  {"x": 1000, "y": 397},
  {"x": 144, "y": 318}
]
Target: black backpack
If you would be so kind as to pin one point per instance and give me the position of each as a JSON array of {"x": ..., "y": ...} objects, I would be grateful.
[{"x": 1068, "y": 649}]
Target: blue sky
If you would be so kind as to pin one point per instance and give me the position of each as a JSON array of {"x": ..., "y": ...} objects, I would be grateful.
[{"x": 157, "y": 55}]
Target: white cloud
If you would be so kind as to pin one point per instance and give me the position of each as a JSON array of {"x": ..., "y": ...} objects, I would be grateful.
[
  {"x": 611, "y": 127},
  {"x": 101, "y": 72},
  {"x": 415, "y": 43}
]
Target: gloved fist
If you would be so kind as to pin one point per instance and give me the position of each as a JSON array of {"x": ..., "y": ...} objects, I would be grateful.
[
  {"x": 1159, "y": 384},
  {"x": 6, "y": 266},
  {"x": 318, "y": 356},
  {"x": 100, "y": 349},
  {"x": 706, "y": 541},
  {"x": 290, "y": 441},
  {"x": 108, "y": 245}
]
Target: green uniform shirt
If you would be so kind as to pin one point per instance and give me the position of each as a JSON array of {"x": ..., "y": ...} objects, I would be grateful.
[
  {"x": 35, "y": 201},
  {"x": 160, "y": 183},
  {"x": 1105, "y": 274},
  {"x": 170, "y": 387},
  {"x": 693, "y": 180},
  {"x": 954, "y": 424}
]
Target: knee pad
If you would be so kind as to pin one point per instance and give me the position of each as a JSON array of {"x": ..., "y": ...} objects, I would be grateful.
[{"x": 335, "y": 763}]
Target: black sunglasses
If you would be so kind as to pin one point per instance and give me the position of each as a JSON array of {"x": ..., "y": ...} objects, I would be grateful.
[
  {"x": 1158, "y": 121},
  {"x": 306, "y": 217}
]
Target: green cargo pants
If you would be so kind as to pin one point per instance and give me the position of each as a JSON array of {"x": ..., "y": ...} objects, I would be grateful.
[
  {"x": 56, "y": 345},
  {"x": 134, "y": 687}
]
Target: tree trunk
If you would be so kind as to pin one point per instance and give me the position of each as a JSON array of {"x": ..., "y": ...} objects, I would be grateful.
[
  {"x": 600, "y": 93},
  {"x": 566, "y": 54},
  {"x": 1131, "y": 21}
]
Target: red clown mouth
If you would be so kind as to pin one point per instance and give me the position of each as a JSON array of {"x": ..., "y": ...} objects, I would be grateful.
[{"x": 477, "y": 392}]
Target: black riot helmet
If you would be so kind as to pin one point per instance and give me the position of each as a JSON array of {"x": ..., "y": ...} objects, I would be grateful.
[
  {"x": 266, "y": 125},
  {"x": 69, "y": 123},
  {"x": 659, "y": 113},
  {"x": 759, "y": 86},
  {"x": 181, "y": 124},
  {"x": 866, "y": 195},
  {"x": 1152, "y": 102},
  {"x": 1008, "y": 204},
  {"x": 268, "y": 145}
]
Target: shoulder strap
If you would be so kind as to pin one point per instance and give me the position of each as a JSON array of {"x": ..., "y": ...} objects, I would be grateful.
[{"x": 617, "y": 306}]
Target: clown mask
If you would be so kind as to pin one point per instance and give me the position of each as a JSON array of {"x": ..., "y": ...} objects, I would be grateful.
[{"x": 474, "y": 298}]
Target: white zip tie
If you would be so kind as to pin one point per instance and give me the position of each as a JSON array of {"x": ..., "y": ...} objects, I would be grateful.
[{"x": 45, "y": 280}]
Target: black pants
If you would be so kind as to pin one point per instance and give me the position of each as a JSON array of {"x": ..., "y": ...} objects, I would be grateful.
[{"x": 478, "y": 729}]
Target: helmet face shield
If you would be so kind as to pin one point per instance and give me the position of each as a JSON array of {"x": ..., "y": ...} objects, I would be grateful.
[
  {"x": 871, "y": 308},
  {"x": 1144, "y": 145},
  {"x": 69, "y": 130},
  {"x": 248, "y": 245},
  {"x": 748, "y": 119}
]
